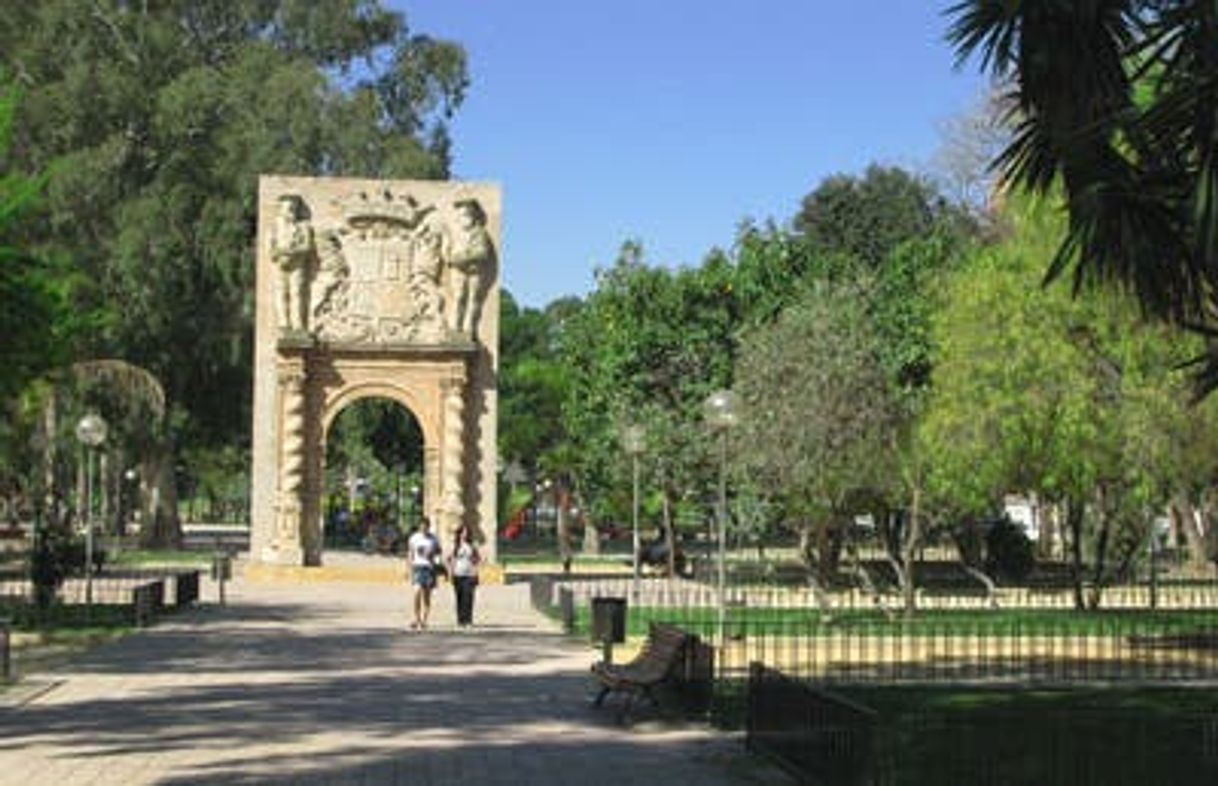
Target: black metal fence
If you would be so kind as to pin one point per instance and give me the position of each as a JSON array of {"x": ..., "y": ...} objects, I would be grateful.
[
  {"x": 144, "y": 593},
  {"x": 691, "y": 682},
  {"x": 943, "y": 651},
  {"x": 147, "y": 602},
  {"x": 819, "y": 736},
  {"x": 939, "y": 645},
  {"x": 186, "y": 588},
  {"x": 1180, "y": 596},
  {"x": 782, "y": 661}
]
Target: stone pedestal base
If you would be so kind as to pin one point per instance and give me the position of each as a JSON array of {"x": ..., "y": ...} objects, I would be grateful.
[{"x": 283, "y": 555}]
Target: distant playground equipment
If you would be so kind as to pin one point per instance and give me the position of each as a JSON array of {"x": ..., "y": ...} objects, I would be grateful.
[{"x": 515, "y": 524}]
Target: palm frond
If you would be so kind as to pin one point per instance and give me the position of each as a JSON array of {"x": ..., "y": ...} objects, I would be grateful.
[{"x": 129, "y": 379}]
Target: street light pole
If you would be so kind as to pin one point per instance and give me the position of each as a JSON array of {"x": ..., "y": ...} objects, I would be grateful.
[
  {"x": 91, "y": 431},
  {"x": 722, "y": 577},
  {"x": 633, "y": 437},
  {"x": 88, "y": 521},
  {"x": 719, "y": 409},
  {"x": 634, "y": 529}
]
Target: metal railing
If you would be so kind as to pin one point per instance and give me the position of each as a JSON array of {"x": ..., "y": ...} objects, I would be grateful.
[
  {"x": 940, "y": 645},
  {"x": 113, "y": 590},
  {"x": 827, "y": 739},
  {"x": 819, "y": 736}
]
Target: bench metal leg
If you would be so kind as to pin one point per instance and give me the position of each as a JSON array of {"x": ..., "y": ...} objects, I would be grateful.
[
  {"x": 600, "y": 697},
  {"x": 623, "y": 717}
]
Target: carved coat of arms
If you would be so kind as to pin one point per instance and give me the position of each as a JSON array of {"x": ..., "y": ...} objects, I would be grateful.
[{"x": 391, "y": 270}]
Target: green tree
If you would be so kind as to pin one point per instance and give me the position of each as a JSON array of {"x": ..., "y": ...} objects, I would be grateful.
[
  {"x": 1116, "y": 100},
  {"x": 1056, "y": 395},
  {"x": 647, "y": 347},
  {"x": 28, "y": 319},
  {"x": 532, "y": 380},
  {"x": 160, "y": 116},
  {"x": 867, "y": 217},
  {"x": 818, "y": 416}
]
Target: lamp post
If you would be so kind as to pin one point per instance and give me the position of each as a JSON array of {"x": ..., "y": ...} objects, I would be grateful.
[
  {"x": 414, "y": 506},
  {"x": 130, "y": 499},
  {"x": 633, "y": 440},
  {"x": 719, "y": 409},
  {"x": 543, "y": 488},
  {"x": 91, "y": 431}
]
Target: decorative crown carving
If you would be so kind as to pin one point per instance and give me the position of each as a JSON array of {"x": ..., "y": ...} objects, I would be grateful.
[{"x": 362, "y": 209}]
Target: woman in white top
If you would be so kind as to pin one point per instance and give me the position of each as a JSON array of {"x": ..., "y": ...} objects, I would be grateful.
[
  {"x": 463, "y": 567},
  {"x": 423, "y": 549}
]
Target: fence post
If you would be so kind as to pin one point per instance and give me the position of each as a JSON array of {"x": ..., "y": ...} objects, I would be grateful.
[
  {"x": 186, "y": 588},
  {"x": 566, "y": 609},
  {"x": 6, "y": 664}
]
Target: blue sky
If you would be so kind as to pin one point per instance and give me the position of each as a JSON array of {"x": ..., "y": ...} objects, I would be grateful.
[{"x": 671, "y": 121}]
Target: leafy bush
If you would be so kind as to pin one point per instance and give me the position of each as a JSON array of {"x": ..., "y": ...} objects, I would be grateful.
[
  {"x": 1008, "y": 552},
  {"x": 57, "y": 555}
]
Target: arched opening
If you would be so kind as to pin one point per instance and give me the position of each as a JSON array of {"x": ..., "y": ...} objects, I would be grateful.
[{"x": 372, "y": 486}]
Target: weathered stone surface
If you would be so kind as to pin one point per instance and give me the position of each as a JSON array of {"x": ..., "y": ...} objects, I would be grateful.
[{"x": 373, "y": 288}]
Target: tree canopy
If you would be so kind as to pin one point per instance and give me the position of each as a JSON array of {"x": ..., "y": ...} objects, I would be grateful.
[
  {"x": 1070, "y": 398},
  {"x": 158, "y": 118},
  {"x": 1115, "y": 103},
  {"x": 31, "y": 320},
  {"x": 867, "y": 217}
]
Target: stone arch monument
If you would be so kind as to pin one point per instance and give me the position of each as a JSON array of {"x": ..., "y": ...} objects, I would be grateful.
[{"x": 373, "y": 288}]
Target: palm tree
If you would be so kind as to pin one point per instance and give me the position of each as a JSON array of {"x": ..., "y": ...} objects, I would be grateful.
[{"x": 1117, "y": 104}]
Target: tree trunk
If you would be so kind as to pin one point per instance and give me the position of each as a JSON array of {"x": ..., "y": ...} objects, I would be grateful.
[
  {"x": 562, "y": 528},
  {"x": 909, "y": 547},
  {"x": 160, "y": 526},
  {"x": 1209, "y": 526},
  {"x": 991, "y": 594},
  {"x": 1045, "y": 516},
  {"x": 52, "y": 516},
  {"x": 1188, "y": 524},
  {"x": 868, "y": 583},
  {"x": 811, "y": 563},
  {"x": 669, "y": 540},
  {"x": 1101, "y": 552},
  {"x": 592, "y": 541},
  {"x": 1074, "y": 522}
]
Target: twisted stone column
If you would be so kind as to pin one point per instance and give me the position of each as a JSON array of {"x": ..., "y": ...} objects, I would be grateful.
[
  {"x": 288, "y": 507},
  {"x": 452, "y": 507}
]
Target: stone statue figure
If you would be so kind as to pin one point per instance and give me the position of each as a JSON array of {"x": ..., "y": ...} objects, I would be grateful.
[
  {"x": 426, "y": 268},
  {"x": 468, "y": 257},
  {"x": 330, "y": 284},
  {"x": 292, "y": 251}
]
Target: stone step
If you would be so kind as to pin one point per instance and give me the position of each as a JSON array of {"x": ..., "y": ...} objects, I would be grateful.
[{"x": 354, "y": 572}]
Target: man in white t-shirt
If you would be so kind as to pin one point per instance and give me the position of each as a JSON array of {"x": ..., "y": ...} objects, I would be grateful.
[{"x": 423, "y": 548}]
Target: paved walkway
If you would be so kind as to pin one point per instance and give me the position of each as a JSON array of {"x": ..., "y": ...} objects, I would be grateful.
[{"x": 322, "y": 683}]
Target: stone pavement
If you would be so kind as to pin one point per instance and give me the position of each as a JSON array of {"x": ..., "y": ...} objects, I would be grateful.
[{"x": 323, "y": 684}]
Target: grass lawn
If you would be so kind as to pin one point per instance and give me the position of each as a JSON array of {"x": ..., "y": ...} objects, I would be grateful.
[
  {"x": 898, "y": 702},
  {"x": 1111, "y": 736},
  {"x": 67, "y": 618},
  {"x": 38, "y": 644},
  {"x": 1132, "y": 736},
  {"x": 153, "y": 557}
]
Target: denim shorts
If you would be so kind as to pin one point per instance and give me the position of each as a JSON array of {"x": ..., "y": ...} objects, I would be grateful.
[{"x": 424, "y": 576}]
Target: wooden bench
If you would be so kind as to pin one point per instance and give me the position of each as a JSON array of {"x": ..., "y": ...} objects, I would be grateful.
[{"x": 662, "y": 653}]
